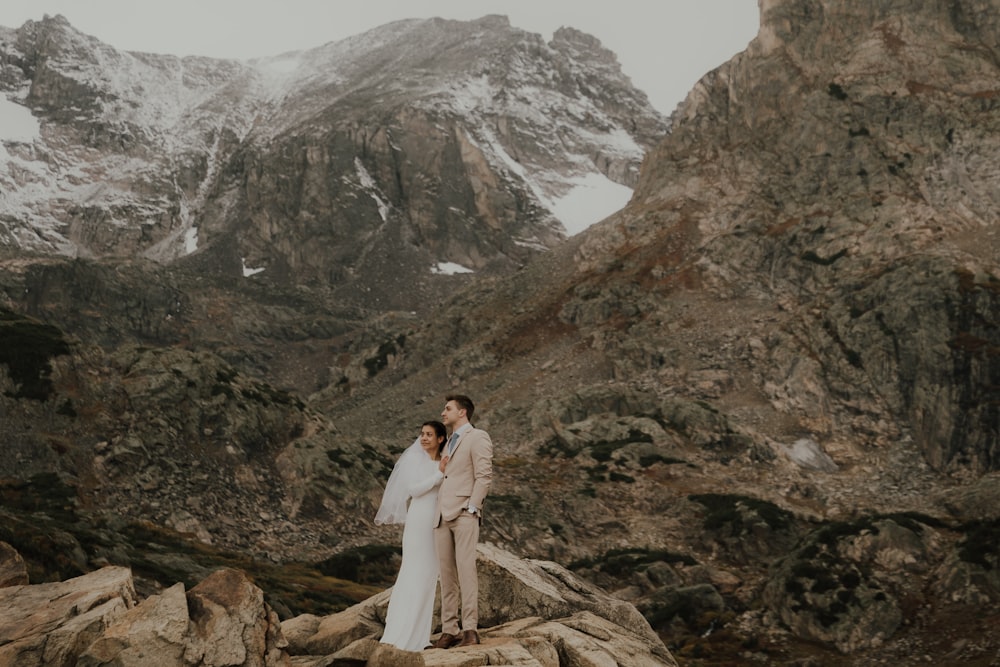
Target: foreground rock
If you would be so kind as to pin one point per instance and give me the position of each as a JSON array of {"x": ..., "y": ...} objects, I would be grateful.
[
  {"x": 50, "y": 624},
  {"x": 531, "y": 613},
  {"x": 534, "y": 614},
  {"x": 94, "y": 620}
]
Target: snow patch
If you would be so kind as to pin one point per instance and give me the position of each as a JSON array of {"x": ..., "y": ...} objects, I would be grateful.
[
  {"x": 808, "y": 453},
  {"x": 623, "y": 141},
  {"x": 191, "y": 240},
  {"x": 449, "y": 268},
  {"x": 533, "y": 244},
  {"x": 247, "y": 271},
  {"x": 576, "y": 201},
  {"x": 368, "y": 183},
  {"x": 17, "y": 123},
  {"x": 592, "y": 198}
]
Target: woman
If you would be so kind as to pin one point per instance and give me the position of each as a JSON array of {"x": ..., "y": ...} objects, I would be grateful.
[{"x": 415, "y": 478}]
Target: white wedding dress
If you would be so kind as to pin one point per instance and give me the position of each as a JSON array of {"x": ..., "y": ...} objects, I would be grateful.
[{"x": 411, "y": 605}]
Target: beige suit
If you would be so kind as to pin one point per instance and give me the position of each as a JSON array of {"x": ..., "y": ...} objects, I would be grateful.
[{"x": 467, "y": 479}]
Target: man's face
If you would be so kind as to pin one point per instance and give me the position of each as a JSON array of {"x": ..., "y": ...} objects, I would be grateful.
[{"x": 451, "y": 413}]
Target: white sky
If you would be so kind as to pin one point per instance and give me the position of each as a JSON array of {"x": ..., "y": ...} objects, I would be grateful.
[{"x": 664, "y": 46}]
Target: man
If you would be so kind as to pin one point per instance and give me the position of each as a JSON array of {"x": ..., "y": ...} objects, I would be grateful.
[{"x": 467, "y": 465}]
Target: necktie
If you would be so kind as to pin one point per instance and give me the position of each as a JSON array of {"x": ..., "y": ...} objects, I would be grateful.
[{"x": 451, "y": 443}]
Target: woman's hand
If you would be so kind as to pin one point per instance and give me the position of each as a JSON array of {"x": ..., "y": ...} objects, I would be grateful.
[{"x": 443, "y": 463}]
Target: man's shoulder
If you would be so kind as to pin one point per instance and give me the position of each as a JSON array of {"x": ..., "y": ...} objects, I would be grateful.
[{"x": 479, "y": 435}]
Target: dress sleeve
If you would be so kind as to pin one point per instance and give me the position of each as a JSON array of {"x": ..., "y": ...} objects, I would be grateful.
[{"x": 425, "y": 485}]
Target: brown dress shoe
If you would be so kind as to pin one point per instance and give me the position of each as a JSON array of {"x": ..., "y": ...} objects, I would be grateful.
[
  {"x": 469, "y": 638},
  {"x": 446, "y": 640}
]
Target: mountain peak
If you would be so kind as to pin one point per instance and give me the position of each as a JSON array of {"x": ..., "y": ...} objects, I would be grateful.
[{"x": 464, "y": 138}]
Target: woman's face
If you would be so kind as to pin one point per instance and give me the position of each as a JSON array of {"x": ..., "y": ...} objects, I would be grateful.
[{"x": 429, "y": 440}]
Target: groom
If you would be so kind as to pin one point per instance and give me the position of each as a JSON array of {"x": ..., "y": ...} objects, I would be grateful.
[{"x": 468, "y": 471}]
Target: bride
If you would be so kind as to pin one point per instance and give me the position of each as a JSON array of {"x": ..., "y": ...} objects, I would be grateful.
[{"x": 415, "y": 478}]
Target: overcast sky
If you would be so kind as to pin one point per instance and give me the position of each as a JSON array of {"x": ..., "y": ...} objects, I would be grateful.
[{"x": 664, "y": 46}]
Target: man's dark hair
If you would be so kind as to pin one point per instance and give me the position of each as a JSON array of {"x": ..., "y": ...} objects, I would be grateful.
[{"x": 463, "y": 402}]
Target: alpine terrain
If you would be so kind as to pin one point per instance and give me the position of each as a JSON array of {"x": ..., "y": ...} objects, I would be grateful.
[{"x": 756, "y": 405}]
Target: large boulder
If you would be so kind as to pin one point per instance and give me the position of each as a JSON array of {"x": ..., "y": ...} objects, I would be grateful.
[
  {"x": 531, "y": 612},
  {"x": 511, "y": 588},
  {"x": 221, "y": 621},
  {"x": 158, "y": 626},
  {"x": 846, "y": 584}
]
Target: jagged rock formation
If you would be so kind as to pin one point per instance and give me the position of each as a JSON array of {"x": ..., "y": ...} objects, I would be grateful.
[
  {"x": 543, "y": 617},
  {"x": 872, "y": 234}
]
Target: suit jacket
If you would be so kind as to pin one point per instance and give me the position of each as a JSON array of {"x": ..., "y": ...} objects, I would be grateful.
[{"x": 468, "y": 475}]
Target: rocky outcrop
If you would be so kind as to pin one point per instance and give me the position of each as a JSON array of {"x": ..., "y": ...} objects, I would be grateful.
[
  {"x": 531, "y": 613},
  {"x": 221, "y": 621},
  {"x": 95, "y": 619}
]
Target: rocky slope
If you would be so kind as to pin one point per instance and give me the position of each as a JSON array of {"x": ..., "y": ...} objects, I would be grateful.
[
  {"x": 757, "y": 402},
  {"x": 779, "y": 354}
]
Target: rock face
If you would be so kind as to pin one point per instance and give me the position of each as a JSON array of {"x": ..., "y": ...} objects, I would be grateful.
[
  {"x": 96, "y": 620},
  {"x": 870, "y": 244}
]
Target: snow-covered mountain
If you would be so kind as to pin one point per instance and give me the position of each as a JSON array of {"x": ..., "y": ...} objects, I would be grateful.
[{"x": 418, "y": 148}]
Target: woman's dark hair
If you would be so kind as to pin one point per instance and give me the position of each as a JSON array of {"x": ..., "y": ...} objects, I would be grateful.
[{"x": 440, "y": 431}]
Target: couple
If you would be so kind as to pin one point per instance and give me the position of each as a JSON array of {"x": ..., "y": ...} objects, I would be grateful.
[{"x": 445, "y": 485}]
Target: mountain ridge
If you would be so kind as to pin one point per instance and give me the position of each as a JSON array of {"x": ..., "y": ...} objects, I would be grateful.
[{"x": 185, "y": 143}]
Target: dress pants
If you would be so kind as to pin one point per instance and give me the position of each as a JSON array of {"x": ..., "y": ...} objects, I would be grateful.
[{"x": 456, "y": 542}]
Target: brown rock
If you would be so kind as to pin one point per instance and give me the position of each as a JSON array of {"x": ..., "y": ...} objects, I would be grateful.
[
  {"x": 231, "y": 624},
  {"x": 13, "y": 571},
  {"x": 156, "y": 626}
]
